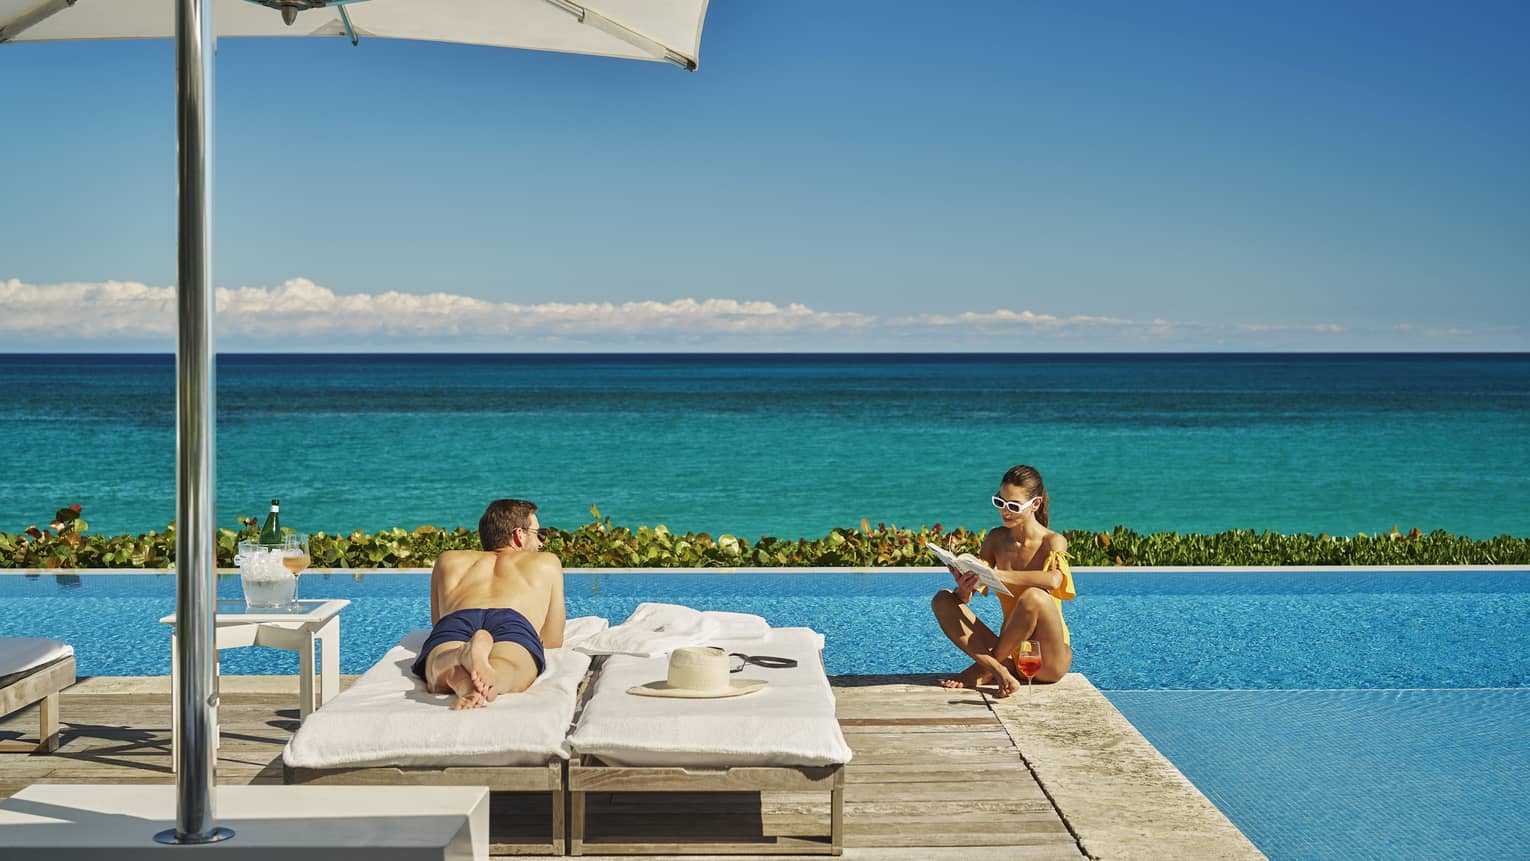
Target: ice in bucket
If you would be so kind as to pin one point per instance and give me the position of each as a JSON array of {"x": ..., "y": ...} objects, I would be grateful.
[{"x": 267, "y": 582}]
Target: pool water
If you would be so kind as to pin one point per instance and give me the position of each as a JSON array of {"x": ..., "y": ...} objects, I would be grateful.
[
  {"x": 1131, "y": 631},
  {"x": 1354, "y": 774},
  {"x": 1328, "y": 714}
]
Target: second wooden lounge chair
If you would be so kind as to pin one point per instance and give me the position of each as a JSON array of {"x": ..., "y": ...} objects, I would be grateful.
[{"x": 784, "y": 738}]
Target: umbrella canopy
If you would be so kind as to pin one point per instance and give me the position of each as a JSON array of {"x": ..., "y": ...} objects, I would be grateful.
[{"x": 666, "y": 30}]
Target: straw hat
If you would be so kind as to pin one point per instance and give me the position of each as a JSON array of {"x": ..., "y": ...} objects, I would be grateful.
[{"x": 698, "y": 672}]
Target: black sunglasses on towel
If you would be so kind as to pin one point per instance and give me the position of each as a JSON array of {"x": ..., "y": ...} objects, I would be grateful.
[{"x": 737, "y": 661}]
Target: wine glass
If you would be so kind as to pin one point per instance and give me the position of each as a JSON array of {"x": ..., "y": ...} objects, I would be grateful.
[
  {"x": 295, "y": 555},
  {"x": 1028, "y": 660}
]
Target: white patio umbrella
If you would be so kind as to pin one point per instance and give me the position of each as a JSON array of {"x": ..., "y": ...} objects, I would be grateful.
[{"x": 660, "y": 30}]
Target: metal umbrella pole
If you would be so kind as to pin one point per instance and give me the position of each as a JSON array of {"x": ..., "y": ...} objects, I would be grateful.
[{"x": 195, "y": 409}]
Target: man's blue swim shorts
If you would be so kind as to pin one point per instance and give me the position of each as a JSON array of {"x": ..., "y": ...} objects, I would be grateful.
[{"x": 504, "y": 625}]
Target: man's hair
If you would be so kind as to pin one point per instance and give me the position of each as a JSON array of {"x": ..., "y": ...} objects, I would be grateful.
[{"x": 501, "y": 519}]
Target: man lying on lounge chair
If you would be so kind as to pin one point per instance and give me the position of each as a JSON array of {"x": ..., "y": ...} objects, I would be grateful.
[{"x": 493, "y": 611}]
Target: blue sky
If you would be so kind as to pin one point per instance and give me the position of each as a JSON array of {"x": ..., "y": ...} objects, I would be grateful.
[{"x": 1004, "y": 176}]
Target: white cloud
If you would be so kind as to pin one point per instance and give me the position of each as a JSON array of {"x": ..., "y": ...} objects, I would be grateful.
[
  {"x": 302, "y": 315},
  {"x": 76, "y": 311},
  {"x": 300, "y": 310},
  {"x": 300, "y": 307},
  {"x": 1449, "y": 331},
  {"x": 1006, "y": 318},
  {"x": 1080, "y": 326}
]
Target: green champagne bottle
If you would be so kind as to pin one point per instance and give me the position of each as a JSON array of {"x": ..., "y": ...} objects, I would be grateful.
[{"x": 271, "y": 533}]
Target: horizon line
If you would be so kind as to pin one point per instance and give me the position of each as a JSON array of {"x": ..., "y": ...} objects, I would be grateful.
[{"x": 768, "y": 353}]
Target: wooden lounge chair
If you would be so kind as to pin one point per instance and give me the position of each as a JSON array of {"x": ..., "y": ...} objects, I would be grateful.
[
  {"x": 783, "y": 738},
  {"x": 385, "y": 729},
  {"x": 34, "y": 670}
]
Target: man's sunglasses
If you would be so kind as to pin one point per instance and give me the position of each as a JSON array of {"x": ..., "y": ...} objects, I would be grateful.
[
  {"x": 1013, "y": 506},
  {"x": 540, "y": 533}
]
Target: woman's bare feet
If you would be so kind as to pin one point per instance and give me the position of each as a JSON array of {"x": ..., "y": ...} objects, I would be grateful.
[
  {"x": 969, "y": 678},
  {"x": 1006, "y": 682},
  {"x": 474, "y": 659}
]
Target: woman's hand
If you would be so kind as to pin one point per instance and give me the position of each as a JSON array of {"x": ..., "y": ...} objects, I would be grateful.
[{"x": 966, "y": 584}]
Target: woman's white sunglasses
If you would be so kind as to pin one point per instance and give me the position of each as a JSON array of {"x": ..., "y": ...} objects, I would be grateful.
[{"x": 1013, "y": 506}]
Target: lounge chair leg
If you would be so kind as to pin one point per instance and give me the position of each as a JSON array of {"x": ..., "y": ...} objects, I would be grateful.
[
  {"x": 576, "y": 823},
  {"x": 559, "y": 835},
  {"x": 47, "y": 729},
  {"x": 837, "y": 820},
  {"x": 47, "y": 732}
]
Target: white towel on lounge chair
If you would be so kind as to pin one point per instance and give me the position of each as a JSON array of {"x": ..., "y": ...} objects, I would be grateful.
[
  {"x": 387, "y": 718},
  {"x": 658, "y": 629},
  {"x": 791, "y": 722}
]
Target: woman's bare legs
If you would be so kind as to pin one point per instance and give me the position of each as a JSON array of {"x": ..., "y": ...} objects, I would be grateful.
[
  {"x": 968, "y": 633},
  {"x": 1035, "y": 617}
]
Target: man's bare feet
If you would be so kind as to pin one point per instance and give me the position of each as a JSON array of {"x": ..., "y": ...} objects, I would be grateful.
[
  {"x": 457, "y": 680},
  {"x": 969, "y": 678},
  {"x": 473, "y": 700},
  {"x": 474, "y": 658}
]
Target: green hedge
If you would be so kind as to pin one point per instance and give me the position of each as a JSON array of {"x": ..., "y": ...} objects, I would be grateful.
[{"x": 598, "y": 544}]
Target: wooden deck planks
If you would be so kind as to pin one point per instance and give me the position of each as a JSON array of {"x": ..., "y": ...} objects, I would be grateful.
[{"x": 935, "y": 772}]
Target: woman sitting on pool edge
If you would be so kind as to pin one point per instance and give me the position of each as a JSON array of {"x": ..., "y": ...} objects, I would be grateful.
[{"x": 1032, "y": 561}]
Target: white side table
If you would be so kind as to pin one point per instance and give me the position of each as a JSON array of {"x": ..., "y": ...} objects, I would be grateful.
[{"x": 294, "y": 628}]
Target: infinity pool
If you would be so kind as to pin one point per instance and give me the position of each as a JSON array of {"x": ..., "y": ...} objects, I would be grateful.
[{"x": 1328, "y": 714}]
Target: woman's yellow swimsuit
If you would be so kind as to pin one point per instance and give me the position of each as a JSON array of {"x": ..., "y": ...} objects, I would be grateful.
[{"x": 1056, "y": 560}]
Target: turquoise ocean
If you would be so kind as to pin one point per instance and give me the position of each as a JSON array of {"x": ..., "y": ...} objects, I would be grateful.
[{"x": 787, "y": 445}]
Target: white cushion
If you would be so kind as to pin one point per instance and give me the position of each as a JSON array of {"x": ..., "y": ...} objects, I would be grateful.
[
  {"x": 791, "y": 722},
  {"x": 387, "y": 718},
  {"x": 20, "y": 655}
]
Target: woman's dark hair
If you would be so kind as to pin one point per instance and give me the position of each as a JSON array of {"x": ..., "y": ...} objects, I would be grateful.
[
  {"x": 1029, "y": 480},
  {"x": 501, "y": 519}
]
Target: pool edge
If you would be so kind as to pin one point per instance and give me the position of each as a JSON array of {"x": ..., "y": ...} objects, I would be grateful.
[{"x": 1119, "y": 795}]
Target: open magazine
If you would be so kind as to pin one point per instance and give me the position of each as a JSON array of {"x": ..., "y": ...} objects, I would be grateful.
[{"x": 971, "y": 564}]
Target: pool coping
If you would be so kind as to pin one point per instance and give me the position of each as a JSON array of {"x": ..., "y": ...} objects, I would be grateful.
[{"x": 1118, "y": 794}]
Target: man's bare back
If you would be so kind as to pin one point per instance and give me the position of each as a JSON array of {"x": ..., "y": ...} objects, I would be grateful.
[
  {"x": 493, "y": 612},
  {"x": 520, "y": 580}
]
